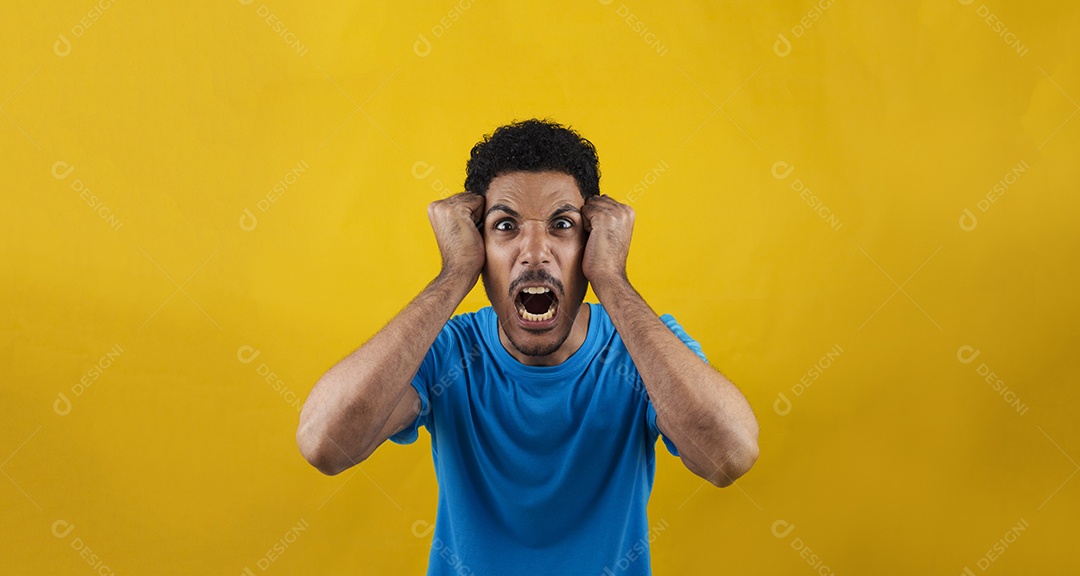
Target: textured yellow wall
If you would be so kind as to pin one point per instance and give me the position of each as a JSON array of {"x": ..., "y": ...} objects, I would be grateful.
[{"x": 862, "y": 212}]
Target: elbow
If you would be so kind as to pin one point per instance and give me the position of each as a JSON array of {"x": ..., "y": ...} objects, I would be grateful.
[
  {"x": 324, "y": 464},
  {"x": 737, "y": 464},
  {"x": 738, "y": 454},
  {"x": 327, "y": 468},
  {"x": 741, "y": 454},
  {"x": 314, "y": 448},
  {"x": 311, "y": 450},
  {"x": 729, "y": 454}
]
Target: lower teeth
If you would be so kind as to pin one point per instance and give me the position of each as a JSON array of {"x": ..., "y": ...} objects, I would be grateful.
[{"x": 537, "y": 317}]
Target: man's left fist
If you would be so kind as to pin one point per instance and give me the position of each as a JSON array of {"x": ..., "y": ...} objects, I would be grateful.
[{"x": 610, "y": 225}]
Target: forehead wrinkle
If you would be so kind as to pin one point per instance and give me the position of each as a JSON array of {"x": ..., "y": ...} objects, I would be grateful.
[
  {"x": 564, "y": 209},
  {"x": 561, "y": 210},
  {"x": 502, "y": 208},
  {"x": 523, "y": 199}
]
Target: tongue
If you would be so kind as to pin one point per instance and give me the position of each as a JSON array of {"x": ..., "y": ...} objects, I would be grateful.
[{"x": 536, "y": 303}]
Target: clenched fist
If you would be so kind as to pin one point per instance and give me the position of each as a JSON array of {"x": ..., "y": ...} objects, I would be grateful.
[
  {"x": 610, "y": 225},
  {"x": 456, "y": 221}
]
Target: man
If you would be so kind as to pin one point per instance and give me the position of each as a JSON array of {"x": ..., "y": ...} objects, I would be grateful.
[{"x": 543, "y": 410}]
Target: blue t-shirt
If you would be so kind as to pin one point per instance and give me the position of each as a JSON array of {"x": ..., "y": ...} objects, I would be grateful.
[{"x": 541, "y": 469}]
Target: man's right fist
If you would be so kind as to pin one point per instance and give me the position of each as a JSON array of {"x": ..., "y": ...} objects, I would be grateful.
[{"x": 456, "y": 221}]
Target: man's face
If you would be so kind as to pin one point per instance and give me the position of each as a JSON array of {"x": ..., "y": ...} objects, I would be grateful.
[{"x": 534, "y": 239}]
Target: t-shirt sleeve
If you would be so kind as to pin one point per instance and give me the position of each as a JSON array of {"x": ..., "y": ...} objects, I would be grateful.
[
  {"x": 425, "y": 376},
  {"x": 650, "y": 413}
]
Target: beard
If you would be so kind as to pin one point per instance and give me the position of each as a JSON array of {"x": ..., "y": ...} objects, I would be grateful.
[
  {"x": 534, "y": 349},
  {"x": 538, "y": 349}
]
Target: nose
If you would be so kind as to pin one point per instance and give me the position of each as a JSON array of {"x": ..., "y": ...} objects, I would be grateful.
[{"x": 535, "y": 245}]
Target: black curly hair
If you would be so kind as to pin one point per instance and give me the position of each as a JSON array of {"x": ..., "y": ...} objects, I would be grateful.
[{"x": 533, "y": 146}]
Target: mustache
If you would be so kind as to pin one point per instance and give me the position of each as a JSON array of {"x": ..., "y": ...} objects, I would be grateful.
[{"x": 536, "y": 275}]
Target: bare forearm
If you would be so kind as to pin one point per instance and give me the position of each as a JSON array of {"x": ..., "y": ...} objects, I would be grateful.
[
  {"x": 699, "y": 409},
  {"x": 348, "y": 407}
]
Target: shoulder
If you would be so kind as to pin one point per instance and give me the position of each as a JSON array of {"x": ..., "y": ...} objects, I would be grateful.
[
  {"x": 604, "y": 319},
  {"x": 462, "y": 335},
  {"x": 468, "y": 326},
  {"x": 679, "y": 331},
  {"x": 670, "y": 322},
  {"x": 470, "y": 320}
]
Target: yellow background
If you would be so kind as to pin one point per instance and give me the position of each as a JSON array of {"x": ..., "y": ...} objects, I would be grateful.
[{"x": 898, "y": 459}]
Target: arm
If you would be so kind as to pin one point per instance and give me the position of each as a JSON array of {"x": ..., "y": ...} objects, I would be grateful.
[
  {"x": 699, "y": 409},
  {"x": 357, "y": 404}
]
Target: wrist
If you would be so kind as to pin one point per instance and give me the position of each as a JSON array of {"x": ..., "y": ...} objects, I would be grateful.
[
  {"x": 609, "y": 282},
  {"x": 457, "y": 282}
]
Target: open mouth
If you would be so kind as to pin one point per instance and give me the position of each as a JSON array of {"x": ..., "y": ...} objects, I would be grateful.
[{"x": 536, "y": 304}]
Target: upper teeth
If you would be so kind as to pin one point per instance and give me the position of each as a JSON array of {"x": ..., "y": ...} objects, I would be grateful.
[{"x": 535, "y": 290}]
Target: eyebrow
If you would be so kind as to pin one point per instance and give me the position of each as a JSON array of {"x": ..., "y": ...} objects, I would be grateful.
[{"x": 504, "y": 208}]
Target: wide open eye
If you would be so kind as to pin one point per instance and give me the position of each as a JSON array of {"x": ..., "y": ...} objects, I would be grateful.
[
  {"x": 504, "y": 225},
  {"x": 563, "y": 223}
]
